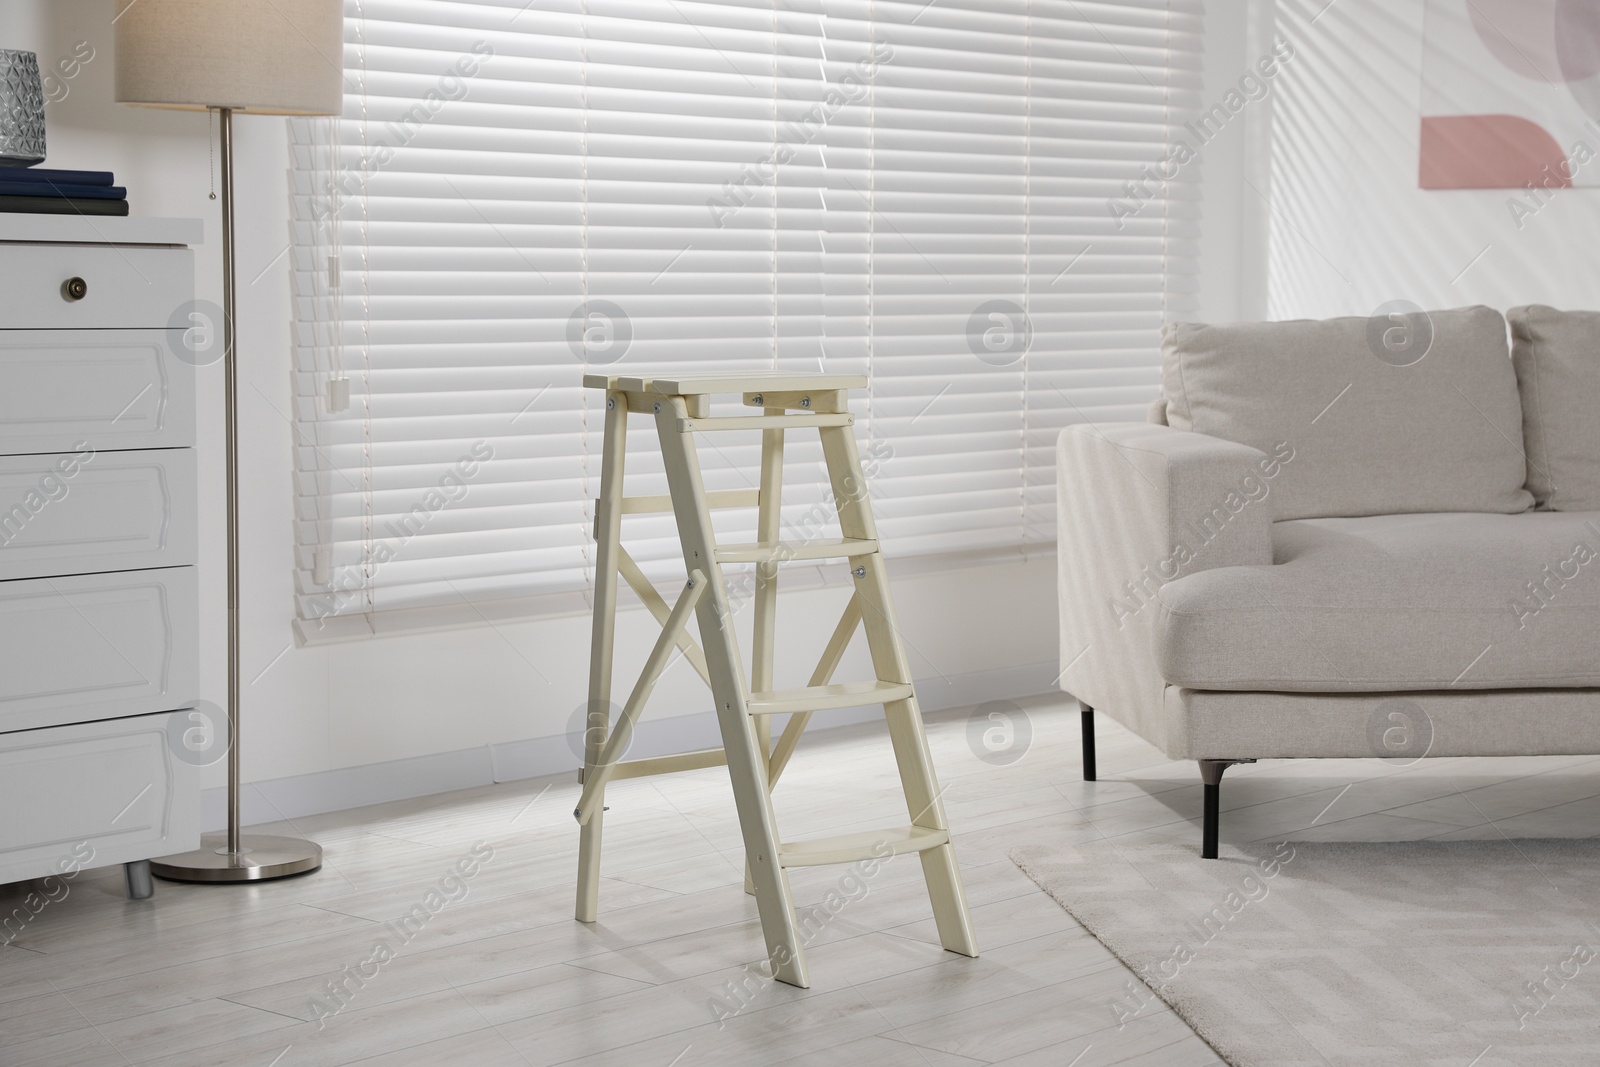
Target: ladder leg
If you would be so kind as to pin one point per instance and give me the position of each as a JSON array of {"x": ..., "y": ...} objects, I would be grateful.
[
  {"x": 769, "y": 524},
  {"x": 746, "y": 764},
  {"x": 915, "y": 763},
  {"x": 608, "y": 542}
]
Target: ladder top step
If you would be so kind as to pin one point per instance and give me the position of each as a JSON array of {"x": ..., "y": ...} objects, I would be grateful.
[
  {"x": 782, "y": 551},
  {"x": 727, "y": 382},
  {"x": 871, "y": 844},
  {"x": 827, "y": 697}
]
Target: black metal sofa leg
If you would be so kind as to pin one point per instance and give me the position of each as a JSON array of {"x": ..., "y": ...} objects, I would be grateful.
[
  {"x": 1211, "y": 774},
  {"x": 140, "y": 885},
  {"x": 1088, "y": 743}
]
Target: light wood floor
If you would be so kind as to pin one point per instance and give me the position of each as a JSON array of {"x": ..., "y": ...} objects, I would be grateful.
[{"x": 498, "y": 973}]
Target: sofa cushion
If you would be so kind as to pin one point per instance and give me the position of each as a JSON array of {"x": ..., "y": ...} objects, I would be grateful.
[
  {"x": 1557, "y": 357},
  {"x": 1443, "y": 433},
  {"x": 1394, "y": 602}
]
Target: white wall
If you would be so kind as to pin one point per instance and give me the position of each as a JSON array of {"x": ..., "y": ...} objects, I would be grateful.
[
  {"x": 1227, "y": 241},
  {"x": 972, "y": 634},
  {"x": 1351, "y": 229}
]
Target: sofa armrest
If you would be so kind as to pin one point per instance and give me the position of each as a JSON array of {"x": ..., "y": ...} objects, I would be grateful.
[{"x": 1140, "y": 505}]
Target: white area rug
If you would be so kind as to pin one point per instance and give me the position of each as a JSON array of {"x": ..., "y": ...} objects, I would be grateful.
[{"x": 1481, "y": 953}]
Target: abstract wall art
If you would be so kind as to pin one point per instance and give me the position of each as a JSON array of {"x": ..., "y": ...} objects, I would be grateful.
[{"x": 1510, "y": 96}]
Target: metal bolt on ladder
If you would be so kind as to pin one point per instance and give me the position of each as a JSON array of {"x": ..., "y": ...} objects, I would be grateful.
[{"x": 681, "y": 408}]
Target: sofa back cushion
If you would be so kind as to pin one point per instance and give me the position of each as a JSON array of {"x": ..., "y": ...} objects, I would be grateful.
[
  {"x": 1557, "y": 356},
  {"x": 1375, "y": 430}
]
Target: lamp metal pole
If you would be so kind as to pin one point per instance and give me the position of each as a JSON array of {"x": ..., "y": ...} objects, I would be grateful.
[{"x": 235, "y": 856}]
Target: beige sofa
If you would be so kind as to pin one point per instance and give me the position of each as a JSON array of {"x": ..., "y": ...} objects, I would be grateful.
[{"x": 1359, "y": 537}]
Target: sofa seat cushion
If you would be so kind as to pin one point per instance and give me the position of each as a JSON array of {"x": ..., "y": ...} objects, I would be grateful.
[{"x": 1394, "y": 602}]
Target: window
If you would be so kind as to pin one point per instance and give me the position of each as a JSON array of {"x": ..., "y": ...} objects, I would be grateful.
[{"x": 958, "y": 199}]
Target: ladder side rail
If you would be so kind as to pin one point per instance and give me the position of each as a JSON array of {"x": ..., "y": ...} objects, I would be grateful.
[
  {"x": 769, "y": 522},
  {"x": 746, "y": 765},
  {"x": 597, "y": 716},
  {"x": 924, "y": 798},
  {"x": 883, "y": 640}
]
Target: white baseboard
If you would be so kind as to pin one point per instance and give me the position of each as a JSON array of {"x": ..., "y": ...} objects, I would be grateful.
[{"x": 442, "y": 772}]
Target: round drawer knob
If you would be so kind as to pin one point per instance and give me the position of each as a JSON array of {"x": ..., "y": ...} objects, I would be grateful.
[{"x": 74, "y": 289}]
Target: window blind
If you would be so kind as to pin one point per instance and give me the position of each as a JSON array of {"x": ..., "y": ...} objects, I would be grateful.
[{"x": 963, "y": 200}]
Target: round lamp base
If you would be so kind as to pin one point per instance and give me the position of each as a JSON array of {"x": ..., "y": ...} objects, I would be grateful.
[{"x": 260, "y": 857}]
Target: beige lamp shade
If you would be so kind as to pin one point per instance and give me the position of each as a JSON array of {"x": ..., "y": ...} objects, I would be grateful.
[{"x": 272, "y": 57}]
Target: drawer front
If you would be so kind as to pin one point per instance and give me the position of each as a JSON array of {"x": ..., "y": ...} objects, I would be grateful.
[
  {"x": 91, "y": 795},
  {"x": 97, "y": 646},
  {"x": 109, "y": 389},
  {"x": 125, "y": 287},
  {"x": 97, "y": 511}
]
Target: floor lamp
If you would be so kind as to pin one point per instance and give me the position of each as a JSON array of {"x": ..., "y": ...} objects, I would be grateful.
[{"x": 268, "y": 57}]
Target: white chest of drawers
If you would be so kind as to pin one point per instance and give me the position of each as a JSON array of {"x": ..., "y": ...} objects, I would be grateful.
[{"x": 99, "y": 629}]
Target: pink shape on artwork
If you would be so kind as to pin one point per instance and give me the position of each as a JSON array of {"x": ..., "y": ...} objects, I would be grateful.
[{"x": 1489, "y": 152}]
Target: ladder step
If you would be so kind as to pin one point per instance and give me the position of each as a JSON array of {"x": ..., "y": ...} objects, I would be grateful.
[
  {"x": 767, "y": 422},
  {"x": 715, "y": 498},
  {"x": 827, "y": 697},
  {"x": 863, "y": 846},
  {"x": 824, "y": 548}
]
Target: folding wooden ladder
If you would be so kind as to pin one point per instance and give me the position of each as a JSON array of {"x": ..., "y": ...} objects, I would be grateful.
[{"x": 681, "y": 406}]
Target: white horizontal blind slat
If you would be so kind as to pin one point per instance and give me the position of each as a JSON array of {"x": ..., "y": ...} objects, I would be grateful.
[{"x": 840, "y": 185}]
